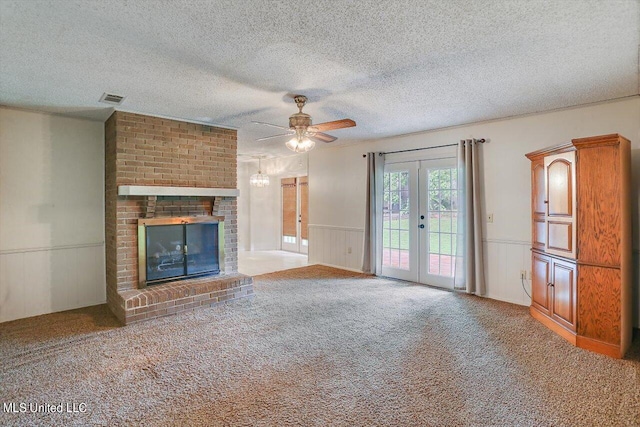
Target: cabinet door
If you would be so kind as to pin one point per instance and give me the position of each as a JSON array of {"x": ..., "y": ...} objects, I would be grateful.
[
  {"x": 563, "y": 279},
  {"x": 560, "y": 178},
  {"x": 538, "y": 204},
  {"x": 541, "y": 268}
]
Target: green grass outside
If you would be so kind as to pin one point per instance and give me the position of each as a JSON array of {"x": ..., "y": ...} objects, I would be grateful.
[{"x": 438, "y": 243}]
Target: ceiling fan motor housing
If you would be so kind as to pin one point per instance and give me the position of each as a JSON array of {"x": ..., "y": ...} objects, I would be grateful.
[{"x": 299, "y": 120}]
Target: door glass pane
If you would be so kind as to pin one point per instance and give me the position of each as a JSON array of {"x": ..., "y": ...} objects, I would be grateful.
[
  {"x": 202, "y": 248},
  {"x": 442, "y": 212},
  {"x": 165, "y": 252},
  {"x": 395, "y": 225}
]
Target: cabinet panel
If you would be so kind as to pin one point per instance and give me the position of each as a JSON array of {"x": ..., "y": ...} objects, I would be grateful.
[
  {"x": 541, "y": 267},
  {"x": 600, "y": 296},
  {"x": 559, "y": 185},
  {"x": 560, "y": 236},
  {"x": 539, "y": 233},
  {"x": 600, "y": 214},
  {"x": 564, "y": 291},
  {"x": 560, "y": 176},
  {"x": 539, "y": 188}
]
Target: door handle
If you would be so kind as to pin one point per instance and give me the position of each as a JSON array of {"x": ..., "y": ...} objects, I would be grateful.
[{"x": 421, "y": 226}]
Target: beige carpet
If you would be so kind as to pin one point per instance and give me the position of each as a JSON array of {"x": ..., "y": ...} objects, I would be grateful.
[{"x": 316, "y": 347}]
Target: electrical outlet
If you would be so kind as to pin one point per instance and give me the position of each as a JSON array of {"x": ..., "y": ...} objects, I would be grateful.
[
  {"x": 490, "y": 217},
  {"x": 523, "y": 274}
]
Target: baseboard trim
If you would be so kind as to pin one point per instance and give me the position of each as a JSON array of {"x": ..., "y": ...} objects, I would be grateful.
[
  {"x": 510, "y": 301},
  {"x": 600, "y": 347},
  {"x": 340, "y": 267}
]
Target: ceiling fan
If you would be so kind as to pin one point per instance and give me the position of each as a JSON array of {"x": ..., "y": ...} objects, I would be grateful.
[{"x": 305, "y": 134}]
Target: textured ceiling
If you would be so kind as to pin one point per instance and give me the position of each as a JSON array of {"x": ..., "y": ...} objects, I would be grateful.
[{"x": 394, "y": 67}]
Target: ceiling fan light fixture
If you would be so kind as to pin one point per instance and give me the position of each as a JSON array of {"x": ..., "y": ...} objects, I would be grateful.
[
  {"x": 304, "y": 132},
  {"x": 300, "y": 145}
]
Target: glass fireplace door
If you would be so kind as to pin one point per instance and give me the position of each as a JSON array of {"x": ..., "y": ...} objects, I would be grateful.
[
  {"x": 165, "y": 252},
  {"x": 179, "y": 247},
  {"x": 202, "y": 248}
]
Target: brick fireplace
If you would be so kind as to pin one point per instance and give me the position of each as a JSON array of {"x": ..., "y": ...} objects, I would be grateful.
[{"x": 161, "y": 168}]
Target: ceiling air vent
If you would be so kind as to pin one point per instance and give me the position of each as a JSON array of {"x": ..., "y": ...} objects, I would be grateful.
[{"x": 109, "y": 98}]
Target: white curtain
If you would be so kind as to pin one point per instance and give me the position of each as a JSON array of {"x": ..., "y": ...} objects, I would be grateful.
[
  {"x": 469, "y": 268},
  {"x": 372, "y": 261}
]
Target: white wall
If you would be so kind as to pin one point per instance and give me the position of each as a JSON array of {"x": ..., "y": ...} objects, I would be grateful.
[
  {"x": 51, "y": 213},
  {"x": 259, "y": 212},
  {"x": 337, "y": 196},
  {"x": 244, "y": 204}
]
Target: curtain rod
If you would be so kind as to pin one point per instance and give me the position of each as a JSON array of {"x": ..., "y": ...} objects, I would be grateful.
[{"x": 481, "y": 141}]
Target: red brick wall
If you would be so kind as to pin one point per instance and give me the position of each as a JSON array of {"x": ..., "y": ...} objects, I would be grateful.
[
  {"x": 155, "y": 151},
  {"x": 142, "y": 150}
]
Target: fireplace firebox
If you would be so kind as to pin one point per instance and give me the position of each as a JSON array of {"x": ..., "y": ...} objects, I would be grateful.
[{"x": 180, "y": 247}]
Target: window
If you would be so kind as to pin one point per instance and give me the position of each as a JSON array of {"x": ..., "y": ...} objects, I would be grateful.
[
  {"x": 442, "y": 211},
  {"x": 395, "y": 225}
]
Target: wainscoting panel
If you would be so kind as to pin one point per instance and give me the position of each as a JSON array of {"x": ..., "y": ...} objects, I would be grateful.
[
  {"x": 504, "y": 259},
  {"x": 46, "y": 280},
  {"x": 336, "y": 246}
]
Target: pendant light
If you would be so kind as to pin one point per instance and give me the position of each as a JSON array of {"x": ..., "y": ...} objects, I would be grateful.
[{"x": 259, "y": 179}]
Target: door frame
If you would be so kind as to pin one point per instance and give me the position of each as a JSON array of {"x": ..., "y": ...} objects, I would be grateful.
[
  {"x": 417, "y": 165},
  {"x": 425, "y": 242},
  {"x": 297, "y": 247},
  {"x": 412, "y": 273}
]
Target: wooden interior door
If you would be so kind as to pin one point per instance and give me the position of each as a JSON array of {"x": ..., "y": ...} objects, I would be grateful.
[
  {"x": 290, "y": 240},
  {"x": 560, "y": 178},
  {"x": 295, "y": 214}
]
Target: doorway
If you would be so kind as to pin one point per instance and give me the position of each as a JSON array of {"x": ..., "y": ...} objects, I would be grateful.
[
  {"x": 420, "y": 217},
  {"x": 295, "y": 214}
]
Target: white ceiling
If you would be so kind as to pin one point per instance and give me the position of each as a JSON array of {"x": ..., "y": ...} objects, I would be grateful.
[{"x": 394, "y": 67}]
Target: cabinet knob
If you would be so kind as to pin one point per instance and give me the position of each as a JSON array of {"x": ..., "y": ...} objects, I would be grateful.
[{"x": 546, "y": 201}]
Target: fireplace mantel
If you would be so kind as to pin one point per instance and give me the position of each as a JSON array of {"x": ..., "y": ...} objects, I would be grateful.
[{"x": 156, "y": 190}]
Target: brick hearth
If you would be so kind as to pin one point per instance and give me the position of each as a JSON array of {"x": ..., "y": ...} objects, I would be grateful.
[{"x": 151, "y": 151}]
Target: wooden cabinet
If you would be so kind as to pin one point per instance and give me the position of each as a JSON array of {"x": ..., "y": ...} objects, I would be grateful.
[
  {"x": 563, "y": 293},
  {"x": 540, "y": 281},
  {"x": 581, "y": 242}
]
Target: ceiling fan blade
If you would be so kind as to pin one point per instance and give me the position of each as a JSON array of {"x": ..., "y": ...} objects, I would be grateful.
[
  {"x": 336, "y": 124},
  {"x": 274, "y": 136},
  {"x": 272, "y": 125},
  {"x": 321, "y": 137}
]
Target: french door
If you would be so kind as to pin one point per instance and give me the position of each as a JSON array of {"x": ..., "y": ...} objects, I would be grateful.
[
  {"x": 295, "y": 214},
  {"x": 420, "y": 221}
]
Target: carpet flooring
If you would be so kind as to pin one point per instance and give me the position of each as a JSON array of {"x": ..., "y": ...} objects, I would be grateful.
[{"x": 316, "y": 347}]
